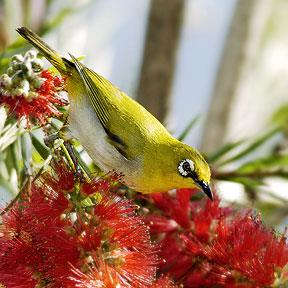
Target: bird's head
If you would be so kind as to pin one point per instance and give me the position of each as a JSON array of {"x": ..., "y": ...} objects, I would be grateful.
[{"x": 191, "y": 169}]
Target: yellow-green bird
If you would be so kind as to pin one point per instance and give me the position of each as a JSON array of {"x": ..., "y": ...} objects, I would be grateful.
[{"x": 121, "y": 135}]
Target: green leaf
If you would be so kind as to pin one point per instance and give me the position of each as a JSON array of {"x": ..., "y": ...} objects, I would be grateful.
[
  {"x": 3, "y": 117},
  {"x": 10, "y": 133},
  {"x": 87, "y": 202},
  {"x": 82, "y": 163},
  {"x": 253, "y": 146},
  {"x": 246, "y": 181},
  {"x": 280, "y": 117},
  {"x": 12, "y": 161},
  {"x": 26, "y": 153},
  {"x": 218, "y": 154},
  {"x": 188, "y": 128},
  {"x": 4, "y": 63},
  {"x": 56, "y": 21},
  {"x": 8, "y": 187},
  {"x": 273, "y": 162},
  {"x": 43, "y": 151}
]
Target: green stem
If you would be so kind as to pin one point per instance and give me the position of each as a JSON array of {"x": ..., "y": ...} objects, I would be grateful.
[
  {"x": 67, "y": 156},
  {"x": 258, "y": 174}
]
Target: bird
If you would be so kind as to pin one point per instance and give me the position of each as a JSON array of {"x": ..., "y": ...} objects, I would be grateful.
[{"x": 119, "y": 134}]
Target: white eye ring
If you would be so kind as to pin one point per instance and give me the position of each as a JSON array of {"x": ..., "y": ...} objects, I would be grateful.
[{"x": 184, "y": 169}]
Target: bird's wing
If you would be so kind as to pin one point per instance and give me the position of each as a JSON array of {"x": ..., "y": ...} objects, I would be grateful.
[
  {"x": 94, "y": 93},
  {"x": 98, "y": 93}
]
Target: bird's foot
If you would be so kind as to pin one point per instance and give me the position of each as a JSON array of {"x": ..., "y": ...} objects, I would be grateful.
[
  {"x": 78, "y": 173},
  {"x": 50, "y": 139}
]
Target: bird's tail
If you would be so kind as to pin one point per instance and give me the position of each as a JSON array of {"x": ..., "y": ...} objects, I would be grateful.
[{"x": 51, "y": 55}]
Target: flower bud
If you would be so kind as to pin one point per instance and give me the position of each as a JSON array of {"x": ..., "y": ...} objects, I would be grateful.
[
  {"x": 31, "y": 96},
  {"x": 37, "y": 65},
  {"x": 15, "y": 65},
  {"x": 17, "y": 58},
  {"x": 10, "y": 71},
  {"x": 5, "y": 81},
  {"x": 26, "y": 67},
  {"x": 37, "y": 82},
  {"x": 24, "y": 84},
  {"x": 31, "y": 54},
  {"x": 17, "y": 78},
  {"x": 19, "y": 92}
]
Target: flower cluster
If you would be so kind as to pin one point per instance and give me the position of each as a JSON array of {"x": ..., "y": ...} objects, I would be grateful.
[
  {"x": 68, "y": 232},
  {"x": 204, "y": 245},
  {"x": 57, "y": 236},
  {"x": 63, "y": 233},
  {"x": 28, "y": 90}
]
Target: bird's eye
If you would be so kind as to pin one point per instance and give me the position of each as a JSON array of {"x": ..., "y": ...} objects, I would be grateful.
[{"x": 186, "y": 167}]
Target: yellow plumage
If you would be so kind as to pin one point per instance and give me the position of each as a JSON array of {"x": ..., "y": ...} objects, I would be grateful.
[{"x": 119, "y": 134}]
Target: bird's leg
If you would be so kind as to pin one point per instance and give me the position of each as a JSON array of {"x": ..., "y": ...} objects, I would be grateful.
[
  {"x": 78, "y": 172},
  {"x": 67, "y": 147},
  {"x": 63, "y": 133},
  {"x": 50, "y": 139}
]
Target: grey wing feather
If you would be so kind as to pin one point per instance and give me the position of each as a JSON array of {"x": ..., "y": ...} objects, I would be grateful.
[{"x": 98, "y": 104}]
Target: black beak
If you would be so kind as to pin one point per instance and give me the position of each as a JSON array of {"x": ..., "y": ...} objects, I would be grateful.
[{"x": 206, "y": 189}]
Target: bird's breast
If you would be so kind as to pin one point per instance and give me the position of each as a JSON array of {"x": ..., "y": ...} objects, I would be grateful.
[{"x": 85, "y": 126}]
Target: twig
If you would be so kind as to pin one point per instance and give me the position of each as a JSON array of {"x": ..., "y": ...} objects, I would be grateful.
[{"x": 258, "y": 174}]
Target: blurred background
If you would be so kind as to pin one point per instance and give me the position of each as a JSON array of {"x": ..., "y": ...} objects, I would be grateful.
[{"x": 214, "y": 72}]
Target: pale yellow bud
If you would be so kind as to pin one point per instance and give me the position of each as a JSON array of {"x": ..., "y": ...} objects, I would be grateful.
[
  {"x": 37, "y": 82},
  {"x": 31, "y": 54},
  {"x": 15, "y": 65},
  {"x": 17, "y": 77},
  {"x": 24, "y": 84},
  {"x": 18, "y": 58},
  {"x": 18, "y": 92},
  {"x": 5, "y": 81},
  {"x": 31, "y": 96},
  {"x": 10, "y": 71},
  {"x": 26, "y": 67},
  {"x": 37, "y": 65}
]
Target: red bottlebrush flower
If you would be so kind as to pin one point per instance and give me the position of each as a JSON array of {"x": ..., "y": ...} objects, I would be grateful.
[
  {"x": 117, "y": 237},
  {"x": 177, "y": 208},
  {"x": 59, "y": 237},
  {"x": 29, "y": 91},
  {"x": 108, "y": 182},
  {"x": 244, "y": 246},
  {"x": 159, "y": 224},
  {"x": 214, "y": 247},
  {"x": 164, "y": 282},
  {"x": 103, "y": 276},
  {"x": 24, "y": 278}
]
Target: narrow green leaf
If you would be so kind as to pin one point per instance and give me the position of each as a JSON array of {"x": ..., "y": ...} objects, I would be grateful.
[
  {"x": 40, "y": 147},
  {"x": 12, "y": 161},
  {"x": 3, "y": 117},
  {"x": 25, "y": 142},
  {"x": 273, "y": 162},
  {"x": 87, "y": 202},
  {"x": 246, "y": 181},
  {"x": 56, "y": 21},
  {"x": 188, "y": 128},
  {"x": 222, "y": 151},
  {"x": 280, "y": 117},
  {"x": 253, "y": 146},
  {"x": 82, "y": 163},
  {"x": 6, "y": 185},
  {"x": 9, "y": 136}
]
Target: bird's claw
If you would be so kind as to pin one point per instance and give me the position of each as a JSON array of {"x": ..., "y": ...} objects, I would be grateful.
[
  {"x": 78, "y": 174},
  {"x": 50, "y": 139}
]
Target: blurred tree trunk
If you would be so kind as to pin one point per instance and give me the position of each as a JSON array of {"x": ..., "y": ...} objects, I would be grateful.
[
  {"x": 3, "y": 33},
  {"x": 240, "y": 48},
  {"x": 162, "y": 38}
]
